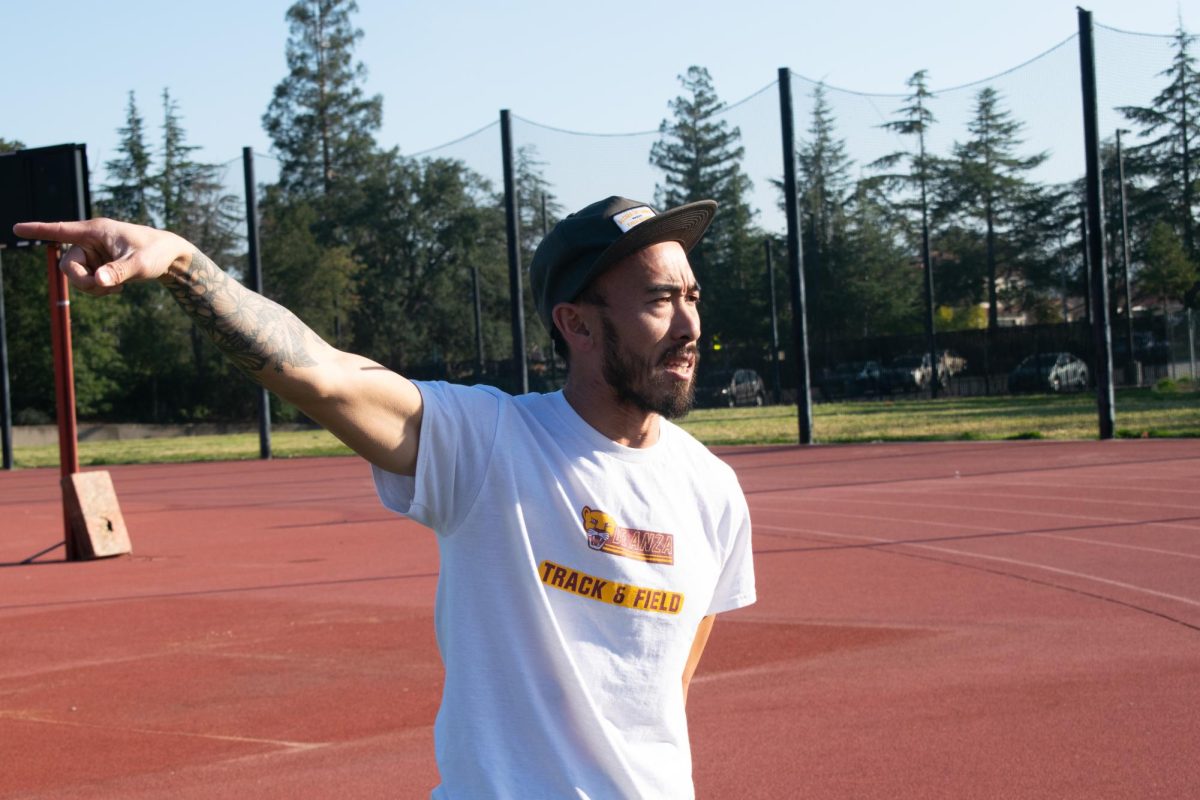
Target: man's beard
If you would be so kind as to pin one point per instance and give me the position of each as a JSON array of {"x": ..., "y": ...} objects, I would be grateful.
[{"x": 634, "y": 381}]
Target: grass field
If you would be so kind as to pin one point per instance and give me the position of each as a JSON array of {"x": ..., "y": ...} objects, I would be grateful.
[{"x": 1170, "y": 410}]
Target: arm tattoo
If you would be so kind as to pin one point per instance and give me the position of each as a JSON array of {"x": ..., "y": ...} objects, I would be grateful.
[{"x": 251, "y": 330}]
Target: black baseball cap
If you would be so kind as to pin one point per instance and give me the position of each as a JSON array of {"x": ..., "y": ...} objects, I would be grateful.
[{"x": 591, "y": 240}]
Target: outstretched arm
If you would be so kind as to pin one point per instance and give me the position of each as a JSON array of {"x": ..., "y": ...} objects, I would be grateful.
[{"x": 375, "y": 411}]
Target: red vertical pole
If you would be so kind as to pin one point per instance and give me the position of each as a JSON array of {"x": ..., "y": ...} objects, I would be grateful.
[{"x": 64, "y": 380}]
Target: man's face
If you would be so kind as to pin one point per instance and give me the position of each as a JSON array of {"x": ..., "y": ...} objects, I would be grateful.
[{"x": 650, "y": 324}]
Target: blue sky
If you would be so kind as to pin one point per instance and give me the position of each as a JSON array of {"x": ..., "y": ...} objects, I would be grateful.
[{"x": 445, "y": 69}]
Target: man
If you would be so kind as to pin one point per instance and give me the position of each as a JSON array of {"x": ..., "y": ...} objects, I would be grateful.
[{"x": 586, "y": 543}]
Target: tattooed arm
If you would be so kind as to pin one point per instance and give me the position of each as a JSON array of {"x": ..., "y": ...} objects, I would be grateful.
[{"x": 372, "y": 409}]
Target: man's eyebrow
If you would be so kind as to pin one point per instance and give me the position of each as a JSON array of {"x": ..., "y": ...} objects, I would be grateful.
[{"x": 672, "y": 288}]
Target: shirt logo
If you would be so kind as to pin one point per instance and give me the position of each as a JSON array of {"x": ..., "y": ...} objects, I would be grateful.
[
  {"x": 605, "y": 536},
  {"x": 638, "y": 598}
]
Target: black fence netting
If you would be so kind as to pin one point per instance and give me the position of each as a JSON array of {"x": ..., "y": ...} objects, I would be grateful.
[{"x": 992, "y": 169}]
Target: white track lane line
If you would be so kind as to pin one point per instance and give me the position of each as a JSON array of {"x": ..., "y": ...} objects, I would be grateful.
[
  {"x": 22, "y": 716},
  {"x": 1001, "y": 559},
  {"x": 976, "y": 510},
  {"x": 956, "y": 526},
  {"x": 1103, "y": 487},
  {"x": 974, "y": 492}
]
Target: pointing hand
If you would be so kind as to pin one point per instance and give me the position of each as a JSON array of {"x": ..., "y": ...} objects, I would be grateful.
[{"x": 105, "y": 254}]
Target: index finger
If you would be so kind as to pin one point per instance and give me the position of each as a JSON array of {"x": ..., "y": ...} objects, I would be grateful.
[{"x": 55, "y": 231}]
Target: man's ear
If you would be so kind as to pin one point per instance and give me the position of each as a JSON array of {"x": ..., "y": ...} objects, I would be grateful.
[{"x": 574, "y": 326}]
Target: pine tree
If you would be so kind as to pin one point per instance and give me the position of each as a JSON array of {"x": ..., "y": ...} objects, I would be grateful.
[
  {"x": 539, "y": 211},
  {"x": 1171, "y": 126},
  {"x": 537, "y": 204},
  {"x": 824, "y": 171},
  {"x": 128, "y": 195},
  {"x": 986, "y": 183},
  {"x": 1168, "y": 272},
  {"x": 701, "y": 158},
  {"x": 415, "y": 310},
  {"x": 912, "y": 187},
  {"x": 914, "y": 119},
  {"x": 192, "y": 201},
  {"x": 320, "y": 122},
  {"x": 824, "y": 187},
  {"x": 878, "y": 279}
]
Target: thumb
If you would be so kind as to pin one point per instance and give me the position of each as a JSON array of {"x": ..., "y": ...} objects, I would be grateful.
[
  {"x": 107, "y": 276},
  {"x": 119, "y": 271}
]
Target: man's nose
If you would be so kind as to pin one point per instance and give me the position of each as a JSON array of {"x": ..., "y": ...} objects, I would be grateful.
[{"x": 686, "y": 325}]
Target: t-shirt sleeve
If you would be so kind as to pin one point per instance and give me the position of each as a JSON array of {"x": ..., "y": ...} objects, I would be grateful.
[
  {"x": 735, "y": 584},
  {"x": 458, "y": 430}
]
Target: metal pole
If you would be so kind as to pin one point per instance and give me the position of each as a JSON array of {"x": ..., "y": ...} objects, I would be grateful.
[
  {"x": 927, "y": 261},
  {"x": 795, "y": 260},
  {"x": 1087, "y": 262},
  {"x": 1101, "y": 333},
  {"x": 255, "y": 276},
  {"x": 1191, "y": 332},
  {"x": 513, "y": 232},
  {"x": 1131, "y": 366},
  {"x": 64, "y": 383},
  {"x": 5, "y": 397},
  {"x": 774, "y": 324}
]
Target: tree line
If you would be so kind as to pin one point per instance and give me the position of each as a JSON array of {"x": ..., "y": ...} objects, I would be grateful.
[{"x": 382, "y": 253}]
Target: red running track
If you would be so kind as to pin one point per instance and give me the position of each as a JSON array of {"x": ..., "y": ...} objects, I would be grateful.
[{"x": 967, "y": 620}]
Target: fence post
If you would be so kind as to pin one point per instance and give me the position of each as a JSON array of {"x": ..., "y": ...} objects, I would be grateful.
[
  {"x": 1191, "y": 334},
  {"x": 795, "y": 260},
  {"x": 774, "y": 323},
  {"x": 5, "y": 400},
  {"x": 255, "y": 277},
  {"x": 1101, "y": 333},
  {"x": 1131, "y": 365}
]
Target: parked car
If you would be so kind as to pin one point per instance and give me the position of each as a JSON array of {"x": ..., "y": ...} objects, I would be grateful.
[
  {"x": 950, "y": 364},
  {"x": 851, "y": 379},
  {"x": 909, "y": 373},
  {"x": 731, "y": 387},
  {"x": 1146, "y": 348},
  {"x": 1055, "y": 372}
]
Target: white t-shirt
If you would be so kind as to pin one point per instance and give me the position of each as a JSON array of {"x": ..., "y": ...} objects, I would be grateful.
[{"x": 574, "y": 572}]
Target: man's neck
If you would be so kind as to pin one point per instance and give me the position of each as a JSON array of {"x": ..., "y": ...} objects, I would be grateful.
[{"x": 623, "y": 423}]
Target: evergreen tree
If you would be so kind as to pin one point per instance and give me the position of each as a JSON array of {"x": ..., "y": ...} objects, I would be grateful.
[
  {"x": 313, "y": 280},
  {"x": 539, "y": 211},
  {"x": 878, "y": 278},
  {"x": 322, "y": 127},
  {"x": 824, "y": 171},
  {"x": 701, "y": 158},
  {"x": 1168, "y": 272},
  {"x": 986, "y": 183},
  {"x": 414, "y": 307},
  {"x": 1171, "y": 126},
  {"x": 824, "y": 187},
  {"x": 537, "y": 204},
  {"x": 914, "y": 185},
  {"x": 320, "y": 122},
  {"x": 177, "y": 167},
  {"x": 190, "y": 196},
  {"x": 192, "y": 201},
  {"x": 128, "y": 195}
]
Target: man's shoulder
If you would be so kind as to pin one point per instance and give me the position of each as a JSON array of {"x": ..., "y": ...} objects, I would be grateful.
[{"x": 481, "y": 402}]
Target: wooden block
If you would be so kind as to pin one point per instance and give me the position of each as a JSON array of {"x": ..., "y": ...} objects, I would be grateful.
[{"x": 97, "y": 527}]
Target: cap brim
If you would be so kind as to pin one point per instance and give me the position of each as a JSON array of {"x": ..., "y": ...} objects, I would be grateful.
[{"x": 685, "y": 224}]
